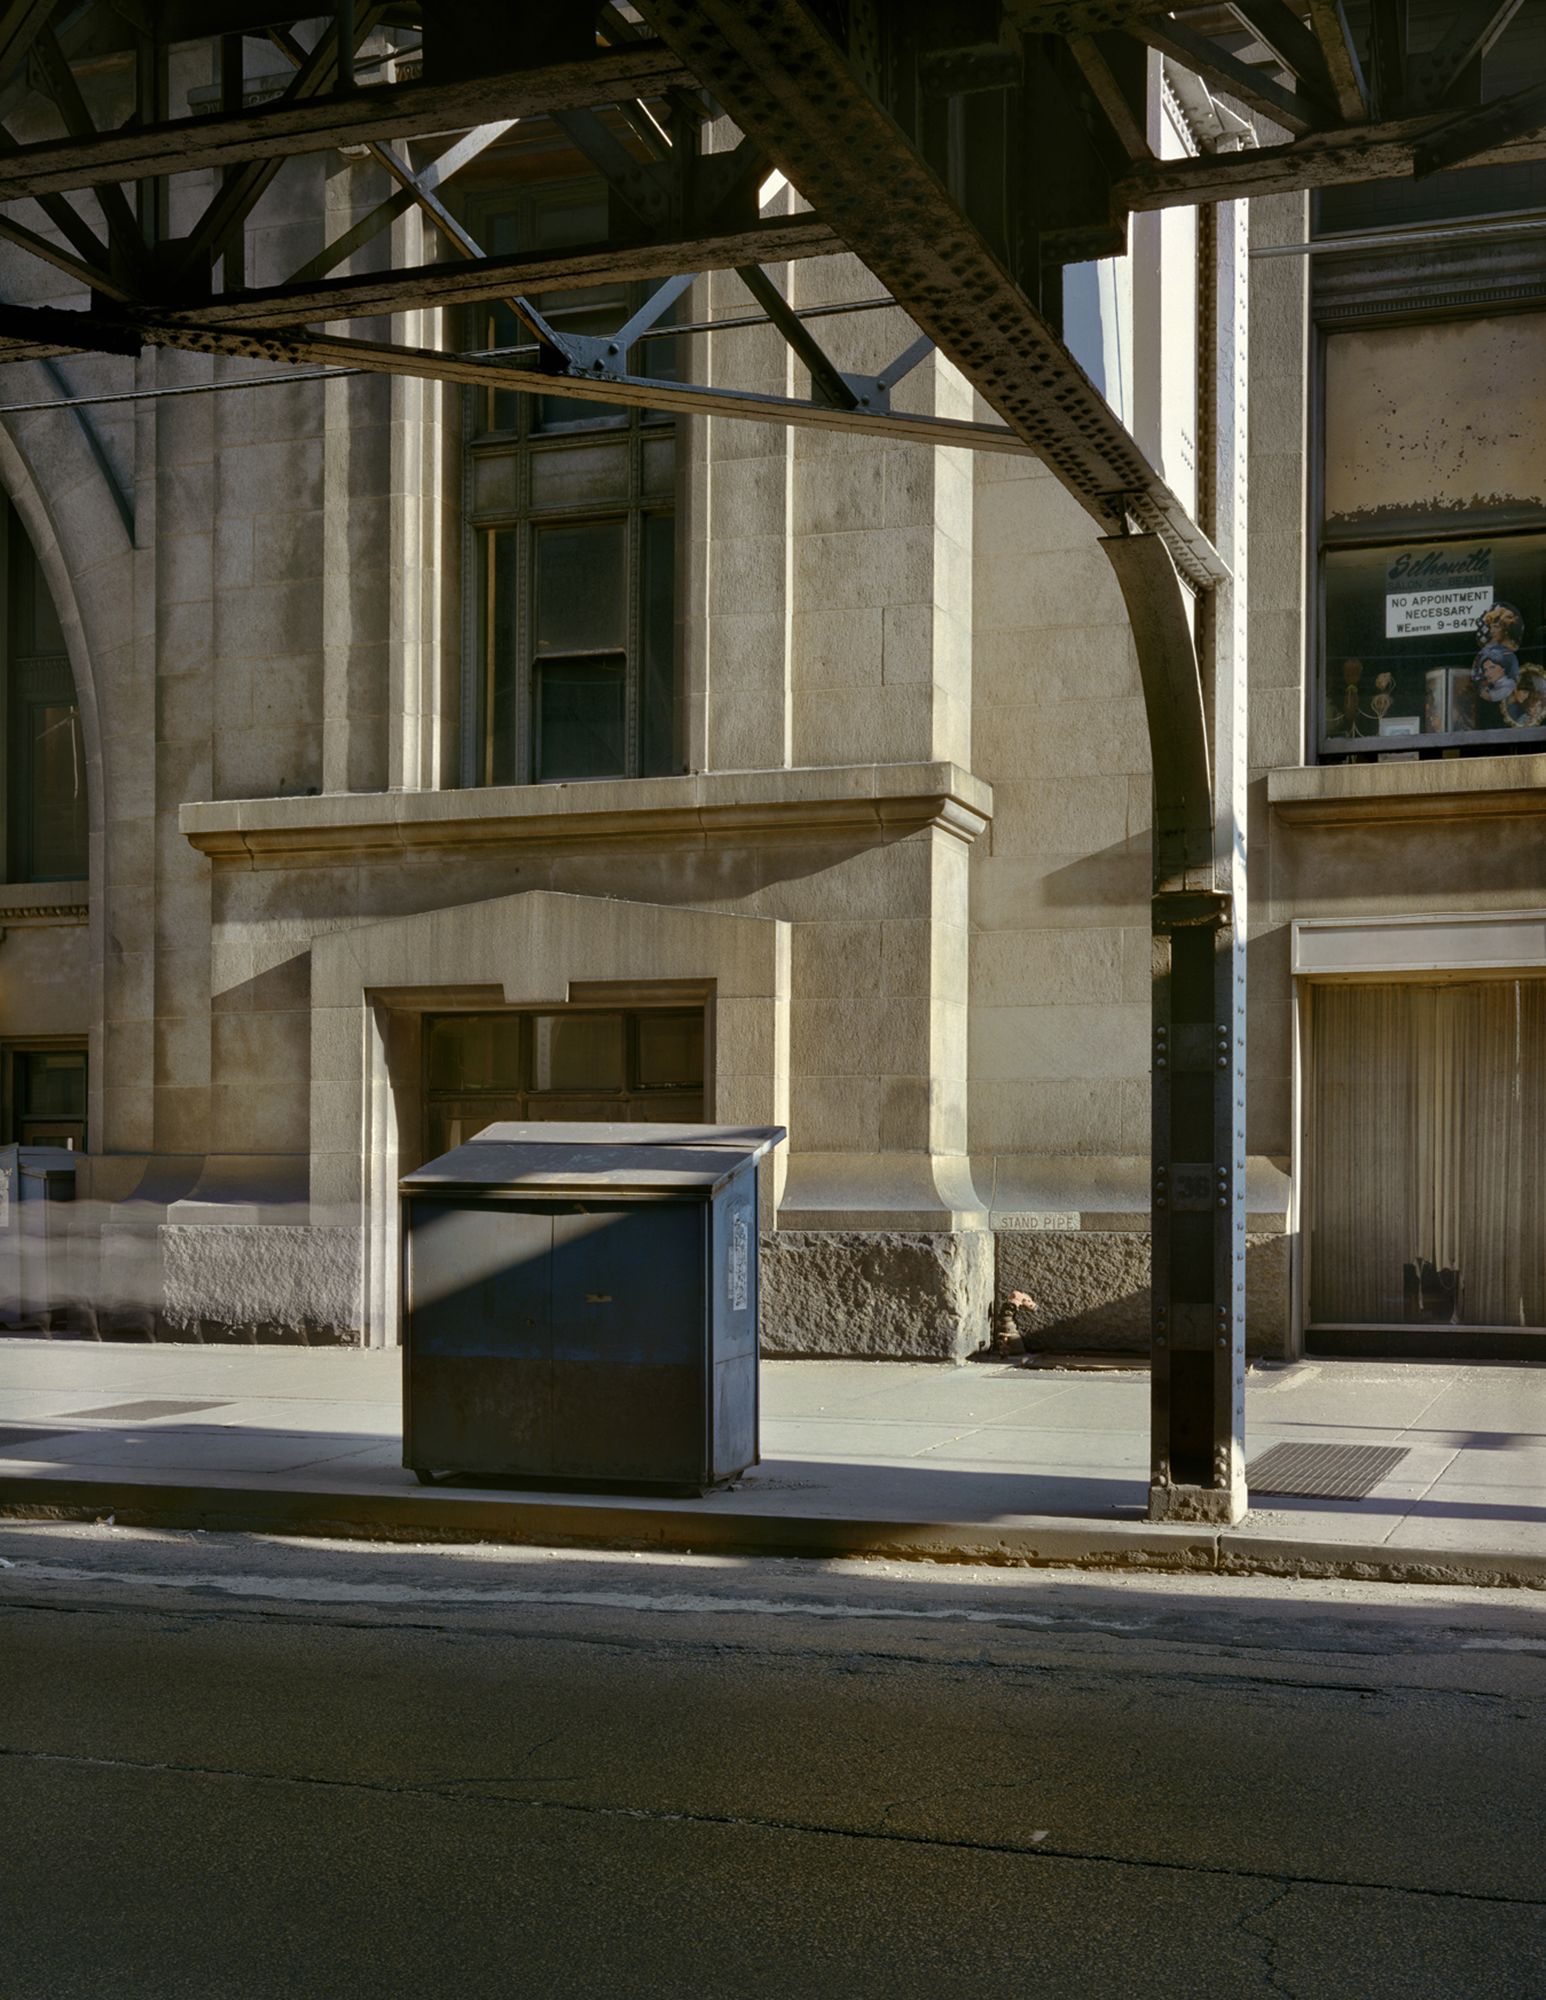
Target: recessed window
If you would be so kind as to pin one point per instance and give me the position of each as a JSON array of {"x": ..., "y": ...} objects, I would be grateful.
[
  {"x": 44, "y": 1092},
  {"x": 572, "y": 538},
  {"x": 44, "y": 821},
  {"x": 625, "y": 1065}
]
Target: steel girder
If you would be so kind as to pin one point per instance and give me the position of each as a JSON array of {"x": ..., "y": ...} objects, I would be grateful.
[{"x": 782, "y": 79}]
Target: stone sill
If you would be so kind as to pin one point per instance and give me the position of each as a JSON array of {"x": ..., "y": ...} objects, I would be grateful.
[
  {"x": 819, "y": 799},
  {"x": 1446, "y": 789},
  {"x": 28, "y": 904}
]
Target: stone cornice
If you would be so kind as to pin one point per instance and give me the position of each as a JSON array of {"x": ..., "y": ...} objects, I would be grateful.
[
  {"x": 24, "y": 904},
  {"x": 726, "y": 806},
  {"x": 1379, "y": 794}
]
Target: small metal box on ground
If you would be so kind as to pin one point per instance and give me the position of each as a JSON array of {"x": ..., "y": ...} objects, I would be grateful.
[{"x": 580, "y": 1303}]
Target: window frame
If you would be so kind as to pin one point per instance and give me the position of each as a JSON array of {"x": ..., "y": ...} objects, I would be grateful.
[
  {"x": 22, "y": 1046},
  {"x": 30, "y": 678},
  {"x": 522, "y": 516},
  {"x": 622, "y": 1102},
  {"x": 1362, "y": 305}
]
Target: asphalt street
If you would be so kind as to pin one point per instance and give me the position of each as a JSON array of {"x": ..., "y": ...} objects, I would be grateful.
[{"x": 239, "y": 1766}]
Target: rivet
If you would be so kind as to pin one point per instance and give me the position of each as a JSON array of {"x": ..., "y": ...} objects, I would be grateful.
[
  {"x": 1222, "y": 1341},
  {"x": 1159, "y": 1340}
]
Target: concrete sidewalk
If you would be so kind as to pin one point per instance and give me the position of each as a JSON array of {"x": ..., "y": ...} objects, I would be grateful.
[{"x": 987, "y": 1462}]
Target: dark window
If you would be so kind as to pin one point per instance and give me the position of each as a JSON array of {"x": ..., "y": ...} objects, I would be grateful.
[
  {"x": 628, "y": 1065},
  {"x": 45, "y": 1096},
  {"x": 573, "y": 550},
  {"x": 44, "y": 762}
]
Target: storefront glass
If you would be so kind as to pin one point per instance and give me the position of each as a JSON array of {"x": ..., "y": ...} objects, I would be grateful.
[{"x": 1427, "y": 1155}]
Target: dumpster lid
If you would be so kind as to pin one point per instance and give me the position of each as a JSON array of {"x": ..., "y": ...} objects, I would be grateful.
[{"x": 558, "y": 1158}]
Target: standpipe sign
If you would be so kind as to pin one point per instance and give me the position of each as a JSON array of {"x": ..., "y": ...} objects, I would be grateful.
[{"x": 1437, "y": 590}]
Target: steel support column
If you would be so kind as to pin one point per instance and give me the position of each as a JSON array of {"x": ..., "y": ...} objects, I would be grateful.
[{"x": 1194, "y": 691}]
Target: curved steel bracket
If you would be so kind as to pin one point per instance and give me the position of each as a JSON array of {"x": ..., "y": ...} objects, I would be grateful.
[{"x": 1173, "y": 699}]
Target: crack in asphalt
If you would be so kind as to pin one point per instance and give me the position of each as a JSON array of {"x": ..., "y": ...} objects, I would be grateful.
[
  {"x": 1246, "y": 1924},
  {"x": 455, "y": 1792}
]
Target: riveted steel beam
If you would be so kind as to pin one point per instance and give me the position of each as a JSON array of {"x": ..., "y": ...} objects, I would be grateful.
[
  {"x": 317, "y": 123},
  {"x": 608, "y": 383},
  {"x": 1387, "y": 150},
  {"x": 1328, "y": 23},
  {"x": 777, "y": 239},
  {"x": 784, "y": 82}
]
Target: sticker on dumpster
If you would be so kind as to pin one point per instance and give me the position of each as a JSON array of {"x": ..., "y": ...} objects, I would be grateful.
[{"x": 736, "y": 1264}]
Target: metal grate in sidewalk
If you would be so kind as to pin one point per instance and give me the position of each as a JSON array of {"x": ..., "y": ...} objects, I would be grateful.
[{"x": 1323, "y": 1471}]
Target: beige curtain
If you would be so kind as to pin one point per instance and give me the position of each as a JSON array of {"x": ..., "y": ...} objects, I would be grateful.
[{"x": 1427, "y": 1145}]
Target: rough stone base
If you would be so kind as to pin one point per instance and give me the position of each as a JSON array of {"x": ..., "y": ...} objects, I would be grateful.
[
  {"x": 1091, "y": 1288},
  {"x": 260, "y": 1282},
  {"x": 873, "y": 1295}
]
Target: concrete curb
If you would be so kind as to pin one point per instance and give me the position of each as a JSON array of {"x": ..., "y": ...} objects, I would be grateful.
[{"x": 1032, "y": 1544}]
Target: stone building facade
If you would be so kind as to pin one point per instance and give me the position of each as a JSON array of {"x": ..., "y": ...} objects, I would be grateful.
[{"x": 433, "y": 760}]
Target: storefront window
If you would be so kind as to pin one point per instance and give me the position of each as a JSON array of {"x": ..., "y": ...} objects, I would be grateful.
[
  {"x": 1437, "y": 640},
  {"x": 1427, "y": 1155},
  {"x": 1433, "y": 542}
]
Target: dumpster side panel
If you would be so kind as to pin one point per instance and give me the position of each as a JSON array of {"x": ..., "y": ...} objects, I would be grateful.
[
  {"x": 733, "y": 1352},
  {"x": 629, "y": 1342},
  {"x": 478, "y": 1337}
]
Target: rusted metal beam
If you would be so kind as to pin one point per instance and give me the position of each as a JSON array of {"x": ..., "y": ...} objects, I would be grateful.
[
  {"x": 1472, "y": 33},
  {"x": 1385, "y": 151},
  {"x": 123, "y": 228},
  {"x": 1463, "y": 140},
  {"x": 479, "y": 372},
  {"x": 20, "y": 25},
  {"x": 1075, "y": 17},
  {"x": 1279, "y": 28},
  {"x": 1328, "y": 21},
  {"x": 784, "y": 82},
  {"x": 313, "y": 124},
  {"x": 1388, "y": 56},
  {"x": 317, "y": 73},
  {"x": 777, "y": 239},
  {"x": 1288, "y": 108},
  {"x": 1173, "y": 703},
  {"x": 94, "y": 277},
  {"x": 413, "y": 187},
  {"x": 1109, "y": 95}
]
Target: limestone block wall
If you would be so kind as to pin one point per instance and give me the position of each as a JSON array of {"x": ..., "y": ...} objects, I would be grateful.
[{"x": 1060, "y": 890}]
